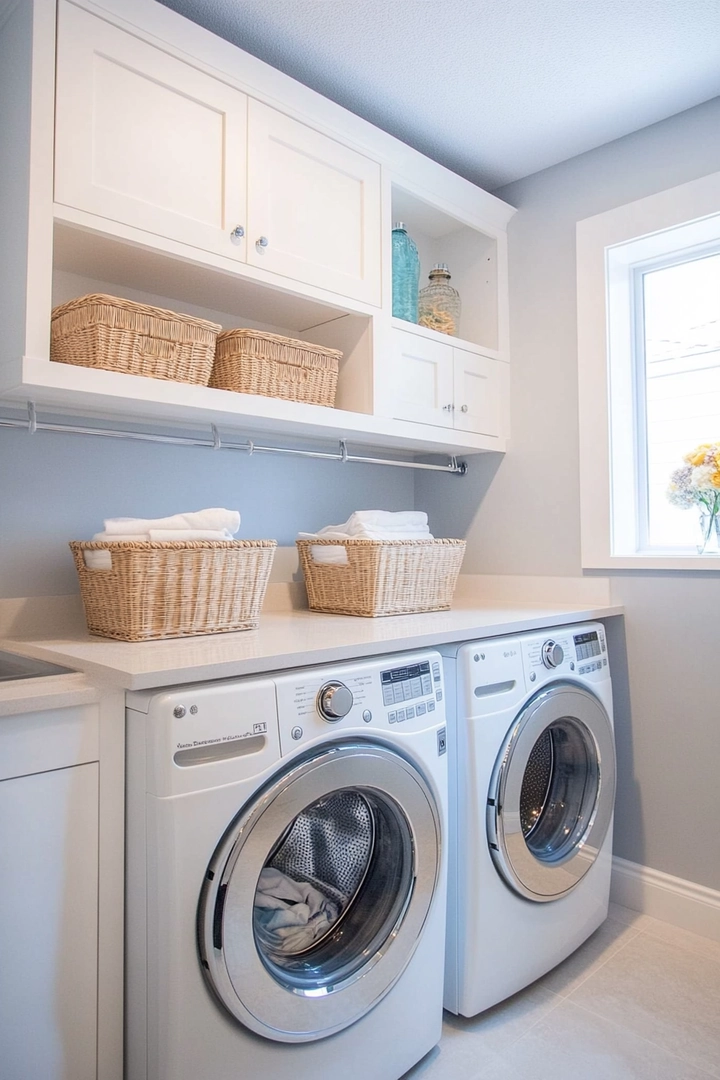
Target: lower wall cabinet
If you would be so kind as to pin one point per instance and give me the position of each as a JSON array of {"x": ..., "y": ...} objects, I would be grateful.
[
  {"x": 435, "y": 382},
  {"x": 61, "y": 889}
]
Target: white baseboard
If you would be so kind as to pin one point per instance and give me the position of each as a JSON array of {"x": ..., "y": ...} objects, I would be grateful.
[{"x": 667, "y": 898}]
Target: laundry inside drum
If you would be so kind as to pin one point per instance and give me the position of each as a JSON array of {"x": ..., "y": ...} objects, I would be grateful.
[{"x": 333, "y": 887}]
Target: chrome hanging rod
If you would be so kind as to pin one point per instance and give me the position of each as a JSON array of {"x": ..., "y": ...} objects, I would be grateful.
[{"x": 32, "y": 424}]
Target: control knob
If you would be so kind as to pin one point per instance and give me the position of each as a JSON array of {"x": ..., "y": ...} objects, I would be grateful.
[
  {"x": 552, "y": 654},
  {"x": 334, "y": 701}
]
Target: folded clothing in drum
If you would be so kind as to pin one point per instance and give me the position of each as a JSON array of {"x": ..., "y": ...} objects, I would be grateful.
[{"x": 293, "y": 915}]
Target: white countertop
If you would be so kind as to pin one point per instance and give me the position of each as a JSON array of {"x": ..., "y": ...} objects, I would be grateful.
[{"x": 291, "y": 639}]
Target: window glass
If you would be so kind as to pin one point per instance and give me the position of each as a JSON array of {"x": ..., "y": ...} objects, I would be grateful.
[{"x": 680, "y": 379}]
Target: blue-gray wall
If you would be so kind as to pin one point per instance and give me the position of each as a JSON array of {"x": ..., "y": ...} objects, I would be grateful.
[{"x": 56, "y": 487}]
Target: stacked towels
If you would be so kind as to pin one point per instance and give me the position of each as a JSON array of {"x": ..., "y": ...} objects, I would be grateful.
[
  {"x": 214, "y": 523},
  {"x": 368, "y": 525}
]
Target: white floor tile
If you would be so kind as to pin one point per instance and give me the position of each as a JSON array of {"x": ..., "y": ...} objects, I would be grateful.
[
  {"x": 572, "y": 1044},
  {"x": 608, "y": 939},
  {"x": 663, "y": 993}
]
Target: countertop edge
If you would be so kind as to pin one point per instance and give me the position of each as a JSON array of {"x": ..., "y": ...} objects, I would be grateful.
[
  {"x": 116, "y": 674},
  {"x": 51, "y": 692}
]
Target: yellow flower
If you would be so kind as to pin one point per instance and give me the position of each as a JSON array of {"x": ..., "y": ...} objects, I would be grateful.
[
  {"x": 715, "y": 479},
  {"x": 697, "y": 456}
]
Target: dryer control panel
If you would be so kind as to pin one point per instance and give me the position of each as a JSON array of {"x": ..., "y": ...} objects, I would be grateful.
[{"x": 579, "y": 650}]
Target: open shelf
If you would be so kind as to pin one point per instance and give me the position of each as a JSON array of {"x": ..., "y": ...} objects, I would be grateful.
[{"x": 471, "y": 256}]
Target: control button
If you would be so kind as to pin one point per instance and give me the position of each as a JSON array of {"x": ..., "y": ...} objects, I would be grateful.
[
  {"x": 572, "y": 665},
  {"x": 367, "y": 716},
  {"x": 334, "y": 701},
  {"x": 297, "y": 733},
  {"x": 582, "y": 669},
  {"x": 398, "y": 693},
  {"x": 392, "y": 718},
  {"x": 388, "y": 696},
  {"x": 410, "y": 713},
  {"x": 426, "y": 684},
  {"x": 552, "y": 654},
  {"x": 407, "y": 691},
  {"x": 416, "y": 687},
  {"x": 400, "y": 716},
  {"x": 179, "y": 711},
  {"x": 193, "y": 710},
  {"x": 431, "y": 706},
  {"x": 421, "y": 708},
  {"x": 533, "y": 676},
  {"x": 476, "y": 658},
  {"x": 436, "y": 667},
  {"x": 604, "y": 662},
  {"x": 438, "y": 695},
  {"x": 442, "y": 741}
]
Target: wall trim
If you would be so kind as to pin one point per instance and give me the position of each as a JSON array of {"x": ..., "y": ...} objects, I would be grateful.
[{"x": 667, "y": 898}]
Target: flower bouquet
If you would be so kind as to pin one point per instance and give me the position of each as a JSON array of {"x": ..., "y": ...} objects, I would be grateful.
[{"x": 697, "y": 484}]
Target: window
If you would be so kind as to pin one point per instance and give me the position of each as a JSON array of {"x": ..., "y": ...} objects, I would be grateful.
[{"x": 649, "y": 372}]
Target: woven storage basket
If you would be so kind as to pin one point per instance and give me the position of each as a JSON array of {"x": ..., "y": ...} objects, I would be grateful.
[
  {"x": 252, "y": 362},
  {"x": 174, "y": 589},
  {"x": 383, "y": 577},
  {"x": 107, "y": 332}
]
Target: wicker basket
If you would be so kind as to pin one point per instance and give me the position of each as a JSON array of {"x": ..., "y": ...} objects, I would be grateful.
[
  {"x": 99, "y": 331},
  {"x": 252, "y": 362},
  {"x": 383, "y": 577},
  {"x": 174, "y": 589}
]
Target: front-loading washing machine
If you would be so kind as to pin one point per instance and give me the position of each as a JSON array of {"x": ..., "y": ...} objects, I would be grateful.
[
  {"x": 532, "y": 791},
  {"x": 286, "y": 873}
]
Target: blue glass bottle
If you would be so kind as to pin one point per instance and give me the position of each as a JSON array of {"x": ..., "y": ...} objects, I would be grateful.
[{"x": 405, "y": 274}]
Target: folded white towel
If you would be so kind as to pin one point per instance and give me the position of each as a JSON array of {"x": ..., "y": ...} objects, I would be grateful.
[
  {"x": 291, "y": 915},
  {"x": 214, "y": 519},
  {"x": 381, "y": 525},
  {"x": 166, "y": 534}
]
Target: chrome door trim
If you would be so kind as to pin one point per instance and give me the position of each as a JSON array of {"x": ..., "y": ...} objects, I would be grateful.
[
  {"x": 529, "y": 876},
  {"x": 231, "y": 962}
]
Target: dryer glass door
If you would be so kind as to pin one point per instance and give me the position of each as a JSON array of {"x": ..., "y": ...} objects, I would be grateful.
[
  {"x": 552, "y": 794},
  {"x": 315, "y": 900}
]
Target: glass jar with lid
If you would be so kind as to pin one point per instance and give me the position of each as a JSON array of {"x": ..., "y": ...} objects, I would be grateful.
[
  {"x": 439, "y": 303},
  {"x": 405, "y": 274}
]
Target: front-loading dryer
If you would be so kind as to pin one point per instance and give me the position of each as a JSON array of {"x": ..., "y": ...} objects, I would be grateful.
[
  {"x": 532, "y": 791},
  {"x": 286, "y": 873}
]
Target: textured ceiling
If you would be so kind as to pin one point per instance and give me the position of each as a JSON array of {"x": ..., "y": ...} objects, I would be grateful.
[{"x": 494, "y": 89}]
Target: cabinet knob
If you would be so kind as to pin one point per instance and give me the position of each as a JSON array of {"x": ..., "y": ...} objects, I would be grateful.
[
  {"x": 238, "y": 232},
  {"x": 261, "y": 243},
  {"x": 463, "y": 408}
]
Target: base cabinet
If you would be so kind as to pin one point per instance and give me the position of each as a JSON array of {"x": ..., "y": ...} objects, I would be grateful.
[
  {"x": 437, "y": 383},
  {"x": 48, "y": 924}
]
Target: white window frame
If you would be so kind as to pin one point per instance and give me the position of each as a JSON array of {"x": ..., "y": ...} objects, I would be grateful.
[{"x": 609, "y": 248}]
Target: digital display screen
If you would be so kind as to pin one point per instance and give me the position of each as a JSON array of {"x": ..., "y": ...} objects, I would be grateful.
[
  {"x": 405, "y": 683},
  {"x": 587, "y": 645},
  {"x": 412, "y": 671},
  {"x": 582, "y": 639}
]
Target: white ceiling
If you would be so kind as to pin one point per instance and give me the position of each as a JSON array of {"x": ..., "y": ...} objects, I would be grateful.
[{"x": 494, "y": 89}]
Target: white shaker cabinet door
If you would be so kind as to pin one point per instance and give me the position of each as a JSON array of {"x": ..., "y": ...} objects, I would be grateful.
[
  {"x": 49, "y": 925},
  {"x": 145, "y": 139},
  {"x": 478, "y": 393},
  {"x": 422, "y": 380},
  {"x": 313, "y": 207}
]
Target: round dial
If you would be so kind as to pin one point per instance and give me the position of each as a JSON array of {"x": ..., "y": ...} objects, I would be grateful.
[
  {"x": 334, "y": 701},
  {"x": 552, "y": 654}
]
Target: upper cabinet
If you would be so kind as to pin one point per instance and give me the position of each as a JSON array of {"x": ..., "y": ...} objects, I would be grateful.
[
  {"x": 169, "y": 167},
  {"x": 313, "y": 206},
  {"x": 148, "y": 140}
]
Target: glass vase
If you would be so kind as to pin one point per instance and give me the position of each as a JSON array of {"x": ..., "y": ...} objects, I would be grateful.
[
  {"x": 440, "y": 303},
  {"x": 708, "y": 542},
  {"x": 405, "y": 274}
]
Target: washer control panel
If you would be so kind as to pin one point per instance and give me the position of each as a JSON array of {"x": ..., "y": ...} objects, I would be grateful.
[{"x": 371, "y": 695}]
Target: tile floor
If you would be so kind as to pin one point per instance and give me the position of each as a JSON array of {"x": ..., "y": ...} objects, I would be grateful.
[{"x": 639, "y": 1001}]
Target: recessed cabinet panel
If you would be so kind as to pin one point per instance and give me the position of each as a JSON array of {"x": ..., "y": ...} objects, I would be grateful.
[
  {"x": 477, "y": 394},
  {"x": 49, "y": 924},
  {"x": 313, "y": 206},
  {"x": 145, "y": 139},
  {"x": 422, "y": 384}
]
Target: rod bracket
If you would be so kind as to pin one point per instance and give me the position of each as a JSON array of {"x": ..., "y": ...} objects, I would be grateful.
[{"x": 32, "y": 418}]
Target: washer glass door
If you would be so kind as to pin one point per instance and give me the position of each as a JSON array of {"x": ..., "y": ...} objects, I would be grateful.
[
  {"x": 315, "y": 899},
  {"x": 552, "y": 794}
]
